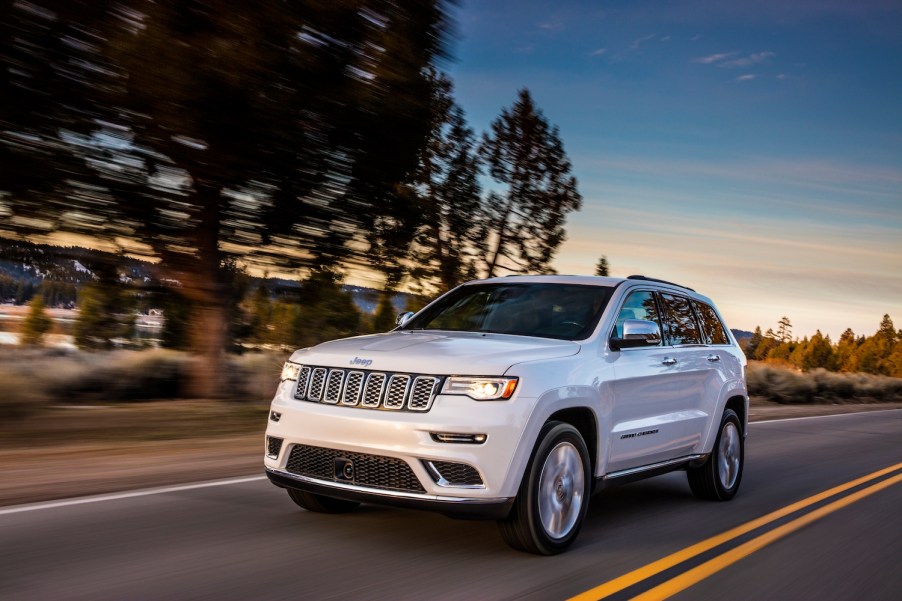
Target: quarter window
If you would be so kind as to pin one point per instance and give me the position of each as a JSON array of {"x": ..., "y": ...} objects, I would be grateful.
[
  {"x": 711, "y": 325},
  {"x": 679, "y": 320}
]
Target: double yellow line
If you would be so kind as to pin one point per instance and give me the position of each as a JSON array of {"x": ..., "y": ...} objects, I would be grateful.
[{"x": 702, "y": 571}]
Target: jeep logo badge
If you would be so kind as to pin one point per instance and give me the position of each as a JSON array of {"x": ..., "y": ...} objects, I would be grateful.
[{"x": 361, "y": 362}]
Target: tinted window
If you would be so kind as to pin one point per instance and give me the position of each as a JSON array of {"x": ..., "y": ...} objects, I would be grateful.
[
  {"x": 638, "y": 305},
  {"x": 711, "y": 324},
  {"x": 679, "y": 320},
  {"x": 565, "y": 311}
]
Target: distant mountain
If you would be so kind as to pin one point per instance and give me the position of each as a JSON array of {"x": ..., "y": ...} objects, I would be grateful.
[{"x": 741, "y": 334}]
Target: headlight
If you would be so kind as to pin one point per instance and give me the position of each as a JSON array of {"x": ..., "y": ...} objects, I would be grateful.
[
  {"x": 481, "y": 389},
  {"x": 290, "y": 371}
]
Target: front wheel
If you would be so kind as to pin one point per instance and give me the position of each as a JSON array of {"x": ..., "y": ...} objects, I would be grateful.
[
  {"x": 717, "y": 479},
  {"x": 554, "y": 494}
]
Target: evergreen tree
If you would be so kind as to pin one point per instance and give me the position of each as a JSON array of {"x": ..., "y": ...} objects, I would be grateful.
[
  {"x": 104, "y": 311},
  {"x": 525, "y": 154},
  {"x": 37, "y": 323},
  {"x": 453, "y": 231},
  {"x": 784, "y": 329},
  {"x": 602, "y": 267},
  {"x": 751, "y": 347}
]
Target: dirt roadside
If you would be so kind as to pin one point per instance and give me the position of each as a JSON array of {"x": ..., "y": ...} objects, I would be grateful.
[{"x": 33, "y": 472}]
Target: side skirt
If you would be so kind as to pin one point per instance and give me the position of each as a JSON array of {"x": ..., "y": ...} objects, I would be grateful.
[{"x": 634, "y": 474}]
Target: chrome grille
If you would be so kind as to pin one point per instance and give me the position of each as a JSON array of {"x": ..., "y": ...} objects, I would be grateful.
[
  {"x": 362, "y": 388},
  {"x": 372, "y": 392},
  {"x": 333, "y": 386},
  {"x": 397, "y": 391},
  {"x": 424, "y": 389},
  {"x": 372, "y": 471}
]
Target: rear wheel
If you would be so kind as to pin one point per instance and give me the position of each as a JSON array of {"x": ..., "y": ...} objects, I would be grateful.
[
  {"x": 319, "y": 503},
  {"x": 718, "y": 478},
  {"x": 553, "y": 497}
]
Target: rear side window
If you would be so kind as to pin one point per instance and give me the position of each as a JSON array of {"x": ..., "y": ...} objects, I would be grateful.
[
  {"x": 638, "y": 305},
  {"x": 712, "y": 327},
  {"x": 679, "y": 321}
]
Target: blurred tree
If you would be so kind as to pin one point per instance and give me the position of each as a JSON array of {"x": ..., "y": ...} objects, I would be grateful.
[
  {"x": 207, "y": 130},
  {"x": 603, "y": 269},
  {"x": 37, "y": 323},
  {"x": 103, "y": 315},
  {"x": 326, "y": 311},
  {"x": 524, "y": 153},
  {"x": 751, "y": 347}
]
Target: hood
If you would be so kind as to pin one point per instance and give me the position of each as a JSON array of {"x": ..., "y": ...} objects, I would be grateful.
[{"x": 439, "y": 353}]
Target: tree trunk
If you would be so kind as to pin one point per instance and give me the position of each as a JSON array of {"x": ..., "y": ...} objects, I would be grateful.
[{"x": 203, "y": 285}]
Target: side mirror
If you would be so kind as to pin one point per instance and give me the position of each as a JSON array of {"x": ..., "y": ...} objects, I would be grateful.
[
  {"x": 403, "y": 318},
  {"x": 637, "y": 333}
]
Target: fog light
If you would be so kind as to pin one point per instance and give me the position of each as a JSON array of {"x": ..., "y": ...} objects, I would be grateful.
[{"x": 453, "y": 438}]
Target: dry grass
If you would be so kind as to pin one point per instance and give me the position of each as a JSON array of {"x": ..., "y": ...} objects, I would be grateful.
[
  {"x": 787, "y": 386},
  {"x": 33, "y": 379}
]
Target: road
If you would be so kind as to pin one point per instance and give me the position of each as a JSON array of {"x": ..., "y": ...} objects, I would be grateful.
[{"x": 246, "y": 540}]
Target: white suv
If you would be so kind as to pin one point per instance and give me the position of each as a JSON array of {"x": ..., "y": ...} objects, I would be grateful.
[{"x": 516, "y": 399}]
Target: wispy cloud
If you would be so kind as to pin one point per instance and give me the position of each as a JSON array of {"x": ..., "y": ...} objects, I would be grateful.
[
  {"x": 746, "y": 77},
  {"x": 553, "y": 25},
  {"x": 726, "y": 59},
  {"x": 598, "y": 52},
  {"x": 714, "y": 58},
  {"x": 639, "y": 41},
  {"x": 752, "y": 59}
]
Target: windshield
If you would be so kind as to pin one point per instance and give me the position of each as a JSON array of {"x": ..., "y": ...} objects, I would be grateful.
[{"x": 563, "y": 311}]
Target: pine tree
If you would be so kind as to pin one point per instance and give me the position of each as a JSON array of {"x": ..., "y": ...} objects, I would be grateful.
[
  {"x": 453, "y": 231},
  {"x": 602, "y": 267},
  {"x": 37, "y": 323},
  {"x": 525, "y": 154},
  {"x": 784, "y": 329}
]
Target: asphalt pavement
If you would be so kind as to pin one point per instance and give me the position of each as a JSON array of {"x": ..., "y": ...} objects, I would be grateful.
[{"x": 245, "y": 539}]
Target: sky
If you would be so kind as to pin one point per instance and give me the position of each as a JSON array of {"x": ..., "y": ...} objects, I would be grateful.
[{"x": 749, "y": 150}]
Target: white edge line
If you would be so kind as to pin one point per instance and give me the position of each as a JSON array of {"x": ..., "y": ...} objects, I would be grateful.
[
  {"x": 125, "y": 495},
  {"x": 793, "y": 419}
]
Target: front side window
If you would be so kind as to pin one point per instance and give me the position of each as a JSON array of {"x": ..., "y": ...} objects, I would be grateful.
[
  {"x": 638, "y": 305},
  {"x": 711, "y": 325},
  {"x": 563, "y": 311},
  {"x": 679, "y": 320}
]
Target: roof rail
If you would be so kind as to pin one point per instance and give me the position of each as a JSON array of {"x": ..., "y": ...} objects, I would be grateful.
[{"x": 647, "y": 279}]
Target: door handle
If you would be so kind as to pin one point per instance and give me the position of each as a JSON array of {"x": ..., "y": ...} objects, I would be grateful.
[
  {"x": 713, "y": 358},
  {"x": 668, "y": 361}
]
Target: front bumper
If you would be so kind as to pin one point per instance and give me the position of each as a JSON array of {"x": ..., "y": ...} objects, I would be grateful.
[{"x": 407, "y": 437}]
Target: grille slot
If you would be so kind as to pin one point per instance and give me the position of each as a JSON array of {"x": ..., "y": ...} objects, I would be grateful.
[
  {"x": 353, "y": 388},
  {"x": 449, "y": 473},
  {"x": 372, "y": 392},
  {"x": 371, "y": 471},
  {"x": 363, "y": 388},
  {"x": 424, "y": 388},
  {"x": 303, "y": 380},
  {"x": 397, "y": 391},
  {"x": 333, "y": 386}
]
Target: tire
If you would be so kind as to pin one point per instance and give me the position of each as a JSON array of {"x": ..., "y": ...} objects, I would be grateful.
[
  {"x": 554, "y": 495},
  {"x": 319, "y": 503},
  {"x": 717, "y": 479}
]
